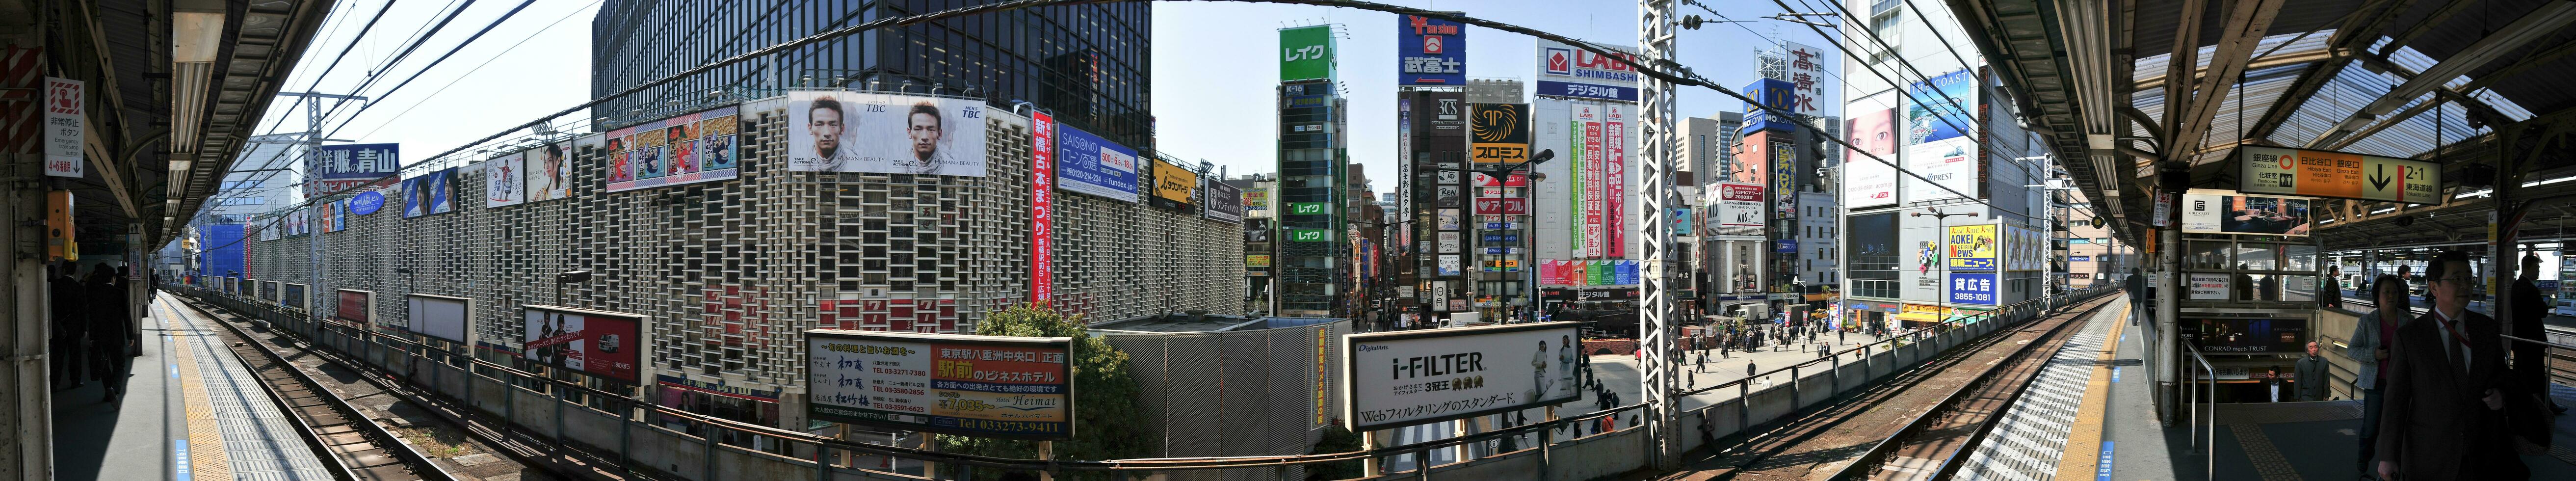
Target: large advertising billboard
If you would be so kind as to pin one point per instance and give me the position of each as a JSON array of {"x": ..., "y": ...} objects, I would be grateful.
[
  {"x": 1224, "y": 202},
  {"x": 354, "y": 307},
  {"x": 1951, "y": 164},
  {"x": 1614, "y": 183},
  {"x": 599, "y": 343},
  {"x": 430, "y": 193},
  {"x": 699, "y": 147},
  {"x": 2208, "y": 212},
  {"x": 1429, "y": 51},
  {"x": 1807, "y": 74},
  {"x": 1174, "y": 186},
  {"x": 548, "y": 171},
  {"x": 1941, "y": 108},
  {"x": 1498, "y": 133},
  {"x": 501, "y": 179},
  {"x": 1306, "y": 53},
  {"x": 1870, "y": 183},
  {"x": 1413, "y": 377},
  {"x": 1972, "y": 247},
  {"x": 986, "y": 386},
  {"x": 1773, "y": 93},
  {"x": 1590, "y": 172},
  {"x": 1088, "y": 164},
  {"x": 851, "y": 131},
  {"x": 336, "y": 168},
  {"x": 441, "y": 317},
  {"x": 1738, "y": 208},
  {"x": 1975, "y": 288},
  {"x": 1566, "y": 71}
]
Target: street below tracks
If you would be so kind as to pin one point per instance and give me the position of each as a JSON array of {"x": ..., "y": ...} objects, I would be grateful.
[{"x": 1907, "y": 426}]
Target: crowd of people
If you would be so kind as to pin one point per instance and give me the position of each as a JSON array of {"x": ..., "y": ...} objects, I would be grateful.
[{"x": 93, "y": 328}]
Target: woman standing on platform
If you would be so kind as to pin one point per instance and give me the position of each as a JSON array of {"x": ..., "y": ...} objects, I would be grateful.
[{"x": 2370, "y": 337}]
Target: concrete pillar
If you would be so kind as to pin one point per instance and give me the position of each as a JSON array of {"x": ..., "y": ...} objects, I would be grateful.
[{"x": 25, "y": 452}]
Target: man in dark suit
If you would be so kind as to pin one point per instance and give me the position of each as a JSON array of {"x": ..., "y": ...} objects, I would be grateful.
[{"x": 2444, "y": 416}]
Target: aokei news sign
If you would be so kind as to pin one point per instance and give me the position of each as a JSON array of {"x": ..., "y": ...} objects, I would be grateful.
[
  {"x": 1405, "y": 378},
  {"x": 989, "y": 386}
]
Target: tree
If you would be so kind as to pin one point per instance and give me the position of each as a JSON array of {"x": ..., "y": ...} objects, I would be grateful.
[{"x": 1108, "y": 422}]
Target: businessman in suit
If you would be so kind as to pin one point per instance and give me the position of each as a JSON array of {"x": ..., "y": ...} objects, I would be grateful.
[{"x": 2444, "y": 417}]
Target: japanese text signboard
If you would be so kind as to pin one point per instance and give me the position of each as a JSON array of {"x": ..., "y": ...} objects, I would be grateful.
[
  {"x": 66, "y": 108},
  {"x": 1973, "y": 288},
  {"x": 1806, "y": 78},
  {"x": 1413, "y": 377},
  {"x": 2342, "y": 175},
  {"x": 1499, "y": 133},
  {"x": 991, "y": 386},
  {"x": 1567, "y": 71},
  {"x": 1972, "y": 247},
  {"x": 1430, "y": 51},
  {"x": 341, "y": 167},
  {"x": 1306, "y": 53},
  {"x": 1042, "y": 208}
]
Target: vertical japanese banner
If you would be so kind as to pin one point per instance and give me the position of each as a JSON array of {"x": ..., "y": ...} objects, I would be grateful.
[
  {"x": 1323, "y": 373},
  {"x": 1588, "y": 117},
  {"x": 1042, "y": 209},
  {"x": 1615, "y": 212},
  {"x": 65, "y": 107}
]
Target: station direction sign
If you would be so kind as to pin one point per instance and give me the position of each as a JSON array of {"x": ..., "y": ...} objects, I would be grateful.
[{"x": 2342, "y": 175}]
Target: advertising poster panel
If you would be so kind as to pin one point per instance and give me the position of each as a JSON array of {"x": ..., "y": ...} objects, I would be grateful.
[
  {"x": 1088, "y": 164},
  {"x": 335, "y": 168},
  {"x": 353, "y": 306},
  {"x": 293, "y": 296},
  {"x": 987, "y": 386},
  {"x": 1224, "y": 202},
  {"x": 1498, "y": 134},
  {"x": 1773, "y": 93},
  {"x": 1587, "y": 119},
  {"x": 299, "y": 221},
  {"x": 1950, "y": 163},
  {"x": 1739, "y": 208},
  {"x": 2208, "y": 212},
  {"x": 1948, "y": 105},
  {"x": 1257, "y": 198},
  {"x": 429, "y": 194},
  {"x": 1869, "y": 183},
  {"x": 2283, "y": 336},
  {"x": 501, "y": 179},
  {"x": 687, "y": 149},
  {"x": 1429, "y": 51},
  {"x": 599, "y": 343},
  {"x": 1976, "y": 288},
  {"x": 547, "y": 168},
  {"x": 1042, "y": 160},
  {"x": 1614, "y": 181},
  {"x": 441, "y": 317},
  {"x": 334, "y": 215},
  {"x": 1784, "y": 160},
  {"x": 851, "y": 131},
  {"x": 1305, "y": 53},
  {"x": 1413, "y": 377},
  {"x": 1972, "y": 247},
  {"x": 1807, "y": 75},
  {"x": 1174, "y": 186},
  {"x": 1566, "y": 71}
]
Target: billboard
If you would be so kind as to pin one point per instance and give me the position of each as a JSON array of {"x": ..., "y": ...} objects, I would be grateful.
[
  {"x": 1872, "y": 236},
  {"x": 2213, "y": 213},
  {"x": 688, "y": 149},
  {"x": 1972, "y": 247},
  {"x": 546, "y": 168},
  {"x": 441, "y": 317},
  {"x": 599, "y": 343},
  {"x": 1950, "y": 163},
  {"x": 1589, "y": 174},
  {"x": 2284, "y": 336},
  {"x": 1773, "y": 93},
  {"x": 335, "y": 215},
  {"x": 292, "y": 295},
  {"x": 1931, "y": 113},
  {"x": 1428, "y": 51},
  {"x": 1806, "y": 77},
  {"x": 1174, "y": 186},
  {"x": 1042, "y": 163},
  {"x": 1088, "y": 164},
  {"x": 296, "y": 221},
  {"x": 353, "y": 306},
  {"x": 336, "y": 168},
  {"x": 1566, "y": 71},
  {"x": 1498, "y": 133},
  {"x": 2319, "y": 173},
  {"x": 1257, "y": 198},
  {"x": 1415, "y": 377},
  {"x": 430, "y": 193},
  {"x": 1224, "y": 202},
  {"x": 1738, "y": 207},
  {"x": 1305, "y": 53},
  {"x": 502, "y": 185},
  {"x": 1869, "y": 183},
  {"x": 987, "y": 386},
  {"x": 1614, "y": 182},
  {"x": 1976, "y": 288},
  {"x": 851, "y": 131}
]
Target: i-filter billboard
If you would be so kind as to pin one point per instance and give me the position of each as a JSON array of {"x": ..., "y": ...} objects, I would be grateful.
[
  {"x": 1414, "y": 377},
  {"x": 441, "y": 317},
  {"x": 1429, "y": 51},
  {"x": 2210, "y": 212},
  {"x": 1566, "y": 71},
  {"x": 1088, "y": 164},
  {"x": 1305, "y": 53},
  {"x": 1224, "y": 202},
  {"x": 852, "y": 131},
  {"x": 430, "y": 193},
  {"x": 1867, "y": 182},
  {"x": 598, "y": 343},
  {"x": 1499, "y": 133},
  {"x": 988, "y": 386},
  {"x": 336, "y": 168},
  {"x": 688, "y": 149},
  {"x": 354, "y": 307}
]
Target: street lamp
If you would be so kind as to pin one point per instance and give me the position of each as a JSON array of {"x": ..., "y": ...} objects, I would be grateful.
[{"x": 1941, "y": 230}]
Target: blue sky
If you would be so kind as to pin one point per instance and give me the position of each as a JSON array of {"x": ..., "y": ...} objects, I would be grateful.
[{"x": 1215, "y": 67}]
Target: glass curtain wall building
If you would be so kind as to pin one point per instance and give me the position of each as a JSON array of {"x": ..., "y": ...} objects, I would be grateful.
[{"x": 1088, "y": 65}]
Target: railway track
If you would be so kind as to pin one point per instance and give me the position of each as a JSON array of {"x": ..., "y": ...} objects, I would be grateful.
[
  {"x": 354, "y": 446},
  {"x": 1834, "y": 442},
  {"x": 1935, "y": 445}
]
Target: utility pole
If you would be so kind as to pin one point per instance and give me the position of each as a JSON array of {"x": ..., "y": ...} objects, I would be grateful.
[
  {"x": 1655, "y": 35},
  {"x": 313, "y": 155}
]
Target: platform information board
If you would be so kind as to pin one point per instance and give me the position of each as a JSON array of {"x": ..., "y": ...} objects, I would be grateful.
[{"x": 2342, "y": 175}]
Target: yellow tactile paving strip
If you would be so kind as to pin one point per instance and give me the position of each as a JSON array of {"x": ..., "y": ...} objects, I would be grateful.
[
  {"x": 2258, "y": 447},
  {"x": 2084, "y": 441},
  {"x": 207, "y": 461}
]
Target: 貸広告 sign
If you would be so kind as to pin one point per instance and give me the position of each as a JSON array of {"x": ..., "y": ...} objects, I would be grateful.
[
  {"x": 2343, "y": 175},
  {"x": 991, "y": 386},
  {"x": 1414, "y": 377}
]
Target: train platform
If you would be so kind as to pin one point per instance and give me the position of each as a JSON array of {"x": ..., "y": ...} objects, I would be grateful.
[{"x": 193, "y": 411}]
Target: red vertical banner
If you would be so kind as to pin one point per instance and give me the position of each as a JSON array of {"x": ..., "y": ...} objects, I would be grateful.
[
  {"x": 1042, "y": 209},
  {"x": 1615, "y": 208},
  {"x": 1587, "y": 116}
]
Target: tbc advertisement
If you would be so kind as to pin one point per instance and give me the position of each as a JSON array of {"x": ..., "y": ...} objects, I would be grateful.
[
  {"x": 1013, "y": 387},
  {"x": 850, "y": 131},
  {"x": 596, "y": 342},
  {"x": 1407, "y": 378}
]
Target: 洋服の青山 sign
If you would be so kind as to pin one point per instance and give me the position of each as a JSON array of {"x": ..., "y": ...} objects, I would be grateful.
[
  {"x": 991, "y": 386},
  {"x": 1413, "y": 377}
]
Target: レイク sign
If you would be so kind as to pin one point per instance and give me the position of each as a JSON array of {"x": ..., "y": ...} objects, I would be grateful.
[
  {"x": 992, "y": 386},
  {"x": 1042, "y": 209},
  {"x": 1306, "y": 53},
  {"x": 1405, "y": 378}
]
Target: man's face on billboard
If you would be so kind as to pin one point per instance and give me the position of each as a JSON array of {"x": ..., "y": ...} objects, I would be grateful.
[
  {"x": 826, "y": 127},
  {"x": 923, "y": 127}
]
